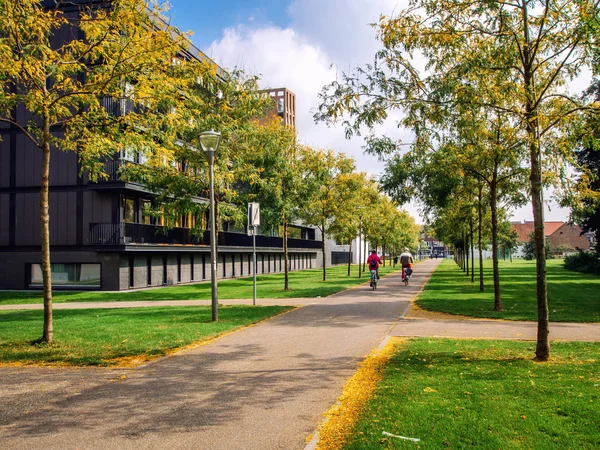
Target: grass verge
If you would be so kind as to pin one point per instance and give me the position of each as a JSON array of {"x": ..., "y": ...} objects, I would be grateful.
[
  {"x": 115, "y": 336},
  {"x": 305, "y": 283},
  {"x": 484, "y": 394},
  {"x": 572, "y": 296}
]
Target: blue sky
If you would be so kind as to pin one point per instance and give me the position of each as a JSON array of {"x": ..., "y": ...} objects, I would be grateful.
[{"x": 207, "y": 19}]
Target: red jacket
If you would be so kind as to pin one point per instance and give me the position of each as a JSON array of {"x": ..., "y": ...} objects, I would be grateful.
[{"x": 373, "y": 257}]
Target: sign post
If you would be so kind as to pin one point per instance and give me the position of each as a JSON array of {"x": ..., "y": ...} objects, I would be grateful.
[{"x": 253, "y": 223}]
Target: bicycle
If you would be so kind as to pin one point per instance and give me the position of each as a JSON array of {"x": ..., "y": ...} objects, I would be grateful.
[
  {"x": 406, "y": 272},
  {"x": 373, "y": 279}
]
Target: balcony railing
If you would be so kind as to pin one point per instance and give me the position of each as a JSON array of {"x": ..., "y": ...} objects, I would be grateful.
[
  {"x": 137, "y": 233},
  {"x": 114, "y": 174},
  {"x": 112, "y": 170},
  {"x": 118, "y": 106}
]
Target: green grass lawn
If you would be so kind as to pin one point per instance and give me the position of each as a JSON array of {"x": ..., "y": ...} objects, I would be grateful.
[
  {"x": 572, "y": 296},
  {"x": 485, "y": 395},
  {"x": 305, "y": 283},
  {"x": 100, "y": 336}
]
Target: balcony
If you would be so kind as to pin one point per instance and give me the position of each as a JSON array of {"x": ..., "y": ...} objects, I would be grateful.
[
  {"x": 112, "y": 169},
  {"x": 138, "y": 233},
  {"x": 118, "y": 106},
  {"x": 142, "y": 234}
]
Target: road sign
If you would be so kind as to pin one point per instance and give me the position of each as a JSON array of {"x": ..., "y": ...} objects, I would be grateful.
[{"x": 253, "y": 217}]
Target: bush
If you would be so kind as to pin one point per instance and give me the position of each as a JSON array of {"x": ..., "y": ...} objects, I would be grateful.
[
  {"x": 529, "y": 248},
  {"x": 582, "y": 261}
]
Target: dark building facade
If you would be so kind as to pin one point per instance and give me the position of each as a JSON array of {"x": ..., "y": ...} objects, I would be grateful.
[{"x": 100, "y": 238}]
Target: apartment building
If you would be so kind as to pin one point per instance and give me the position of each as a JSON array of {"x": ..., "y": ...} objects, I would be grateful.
[
  {"x": 100, "y": 237},
  {"x": 284, "y": 105}
]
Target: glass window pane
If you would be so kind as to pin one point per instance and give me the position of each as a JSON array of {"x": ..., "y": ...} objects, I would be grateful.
[
  {"x": 147, "y": 219},
  {"x": 85, "y": 275},
  {"x": 129, "y": 210}
]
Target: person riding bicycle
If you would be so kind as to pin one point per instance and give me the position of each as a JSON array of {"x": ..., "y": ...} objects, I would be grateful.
[
  {"x": 406, "y": 259},
  {"x": 373, "y": 261}
]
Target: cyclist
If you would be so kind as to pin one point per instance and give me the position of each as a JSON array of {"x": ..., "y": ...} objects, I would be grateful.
[
  {"x": 406, "y": 259},
  {"x": 373, "y": 261}
]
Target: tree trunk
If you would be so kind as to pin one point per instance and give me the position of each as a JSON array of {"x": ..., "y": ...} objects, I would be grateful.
[
  {"x": 286, "y": 276},
  {"x": 472, "y": 251},
  {"x": 358, "y": 247},
  {"x": 45, "y": 234},
  {"x": 479, "y": 238},
  {"x": 349, "y": 256},
  {"x": 466, "y": 246},
  {"x": 493, "y": 207},
  {"x": 542, "y": 351},
  {"x": 364, "y": 260},
  {"x": 323, "y": 250}
]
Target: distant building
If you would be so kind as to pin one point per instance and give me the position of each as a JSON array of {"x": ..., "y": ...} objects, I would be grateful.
[
  {"x": 559, "y": 234},
  {"x": 285, "y": 105},
  {"x": 434, "y": 248}
]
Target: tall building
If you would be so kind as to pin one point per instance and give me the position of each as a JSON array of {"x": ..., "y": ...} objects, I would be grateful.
[
  {"x": 285, "y": 105},
  {"x": 100, "y": 236}
]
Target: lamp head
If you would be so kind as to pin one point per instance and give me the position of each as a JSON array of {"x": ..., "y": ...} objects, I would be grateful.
[{"x": 209, "y": 142}]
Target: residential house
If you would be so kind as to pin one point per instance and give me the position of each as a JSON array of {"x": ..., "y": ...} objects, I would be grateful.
[{"x": 559, "y": 234}]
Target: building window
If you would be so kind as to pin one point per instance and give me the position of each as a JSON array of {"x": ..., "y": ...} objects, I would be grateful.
[
  {"x": 65, "y": 275},
  {"x": 131, "y": 272},
  {"x": 192, "y": 277},
  {"x": 149, "y": 270},
  {"x": 129, "y": 210},
  {"x": 128, "y": 154},
  {"x": 146, "y": 218}
]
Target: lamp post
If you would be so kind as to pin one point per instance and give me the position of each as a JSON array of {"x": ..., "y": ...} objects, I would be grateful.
[{"x": 209, "y": 142}]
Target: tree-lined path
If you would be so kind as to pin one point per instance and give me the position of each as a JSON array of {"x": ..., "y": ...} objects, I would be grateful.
[{"x": 266, "y": 386}]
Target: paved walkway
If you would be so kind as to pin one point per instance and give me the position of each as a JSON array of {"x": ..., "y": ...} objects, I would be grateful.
[{"x": 264, "y": 387}]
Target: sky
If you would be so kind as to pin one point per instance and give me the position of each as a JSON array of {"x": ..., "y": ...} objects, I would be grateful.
[{"x": 303, "y": 45}]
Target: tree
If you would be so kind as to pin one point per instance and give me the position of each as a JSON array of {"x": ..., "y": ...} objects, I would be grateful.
[
  {"x": 213, "y": 99},
  {"x": 508, "y": 238},
  {"x": 347, "y": 223},
  {"x": 585, "y": 198},
  {"x": 272, "y": 166},
  {"x": 325, "y": 173},
  {"x": 524, "y": 51},
  {"x": 529, "y": 251},
  {"x": 65, "y": 79}
]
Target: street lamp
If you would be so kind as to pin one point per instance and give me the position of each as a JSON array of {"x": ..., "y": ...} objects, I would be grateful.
[{"x": 209, "y": 142}]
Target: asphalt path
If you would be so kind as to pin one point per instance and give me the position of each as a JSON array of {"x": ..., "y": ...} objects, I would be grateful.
[{"x": 263, "y": 387}]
